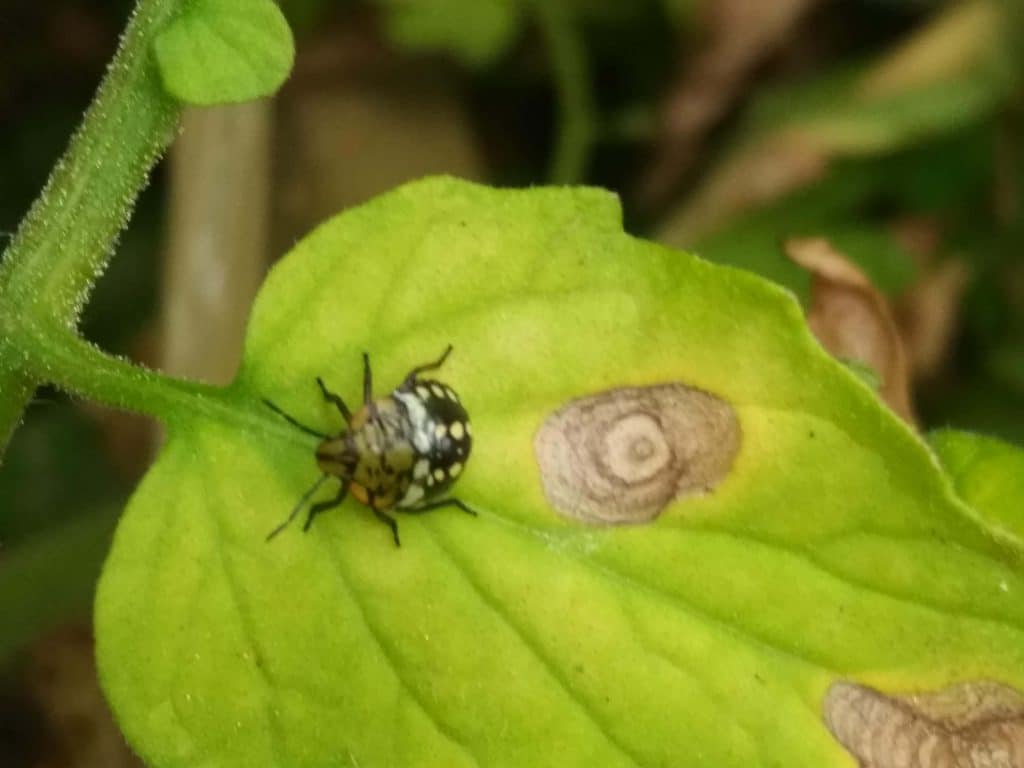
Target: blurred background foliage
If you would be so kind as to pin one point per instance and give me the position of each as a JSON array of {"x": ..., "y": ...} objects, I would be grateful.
[{"x": 895, "y": 128}]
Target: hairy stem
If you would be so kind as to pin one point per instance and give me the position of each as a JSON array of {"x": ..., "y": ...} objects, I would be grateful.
[
  {"x": 66, "y": 239},
  {"x": 63, "y": 358}
]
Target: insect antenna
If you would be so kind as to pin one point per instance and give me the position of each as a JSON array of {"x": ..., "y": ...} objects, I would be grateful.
[
  {"x": 298, "y": 507},
  {"x": 294, "y": 422}
]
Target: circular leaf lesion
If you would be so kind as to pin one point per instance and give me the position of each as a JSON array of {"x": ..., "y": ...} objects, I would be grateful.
[
  {"x": 622, "y": 455},
  {"x": 972, "y": 724}
]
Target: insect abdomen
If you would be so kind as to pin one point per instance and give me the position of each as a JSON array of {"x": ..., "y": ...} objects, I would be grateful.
[{"x": 440, "y": 436}]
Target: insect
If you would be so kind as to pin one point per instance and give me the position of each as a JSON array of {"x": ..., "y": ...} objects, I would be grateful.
[{"x": 401, "y": 452}]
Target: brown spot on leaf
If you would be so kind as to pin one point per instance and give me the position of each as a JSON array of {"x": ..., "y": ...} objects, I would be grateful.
[
  {"x": 621, "y": 456},
  {"x": 978, "y": 724},
  {"x": 852, "y": 320}
]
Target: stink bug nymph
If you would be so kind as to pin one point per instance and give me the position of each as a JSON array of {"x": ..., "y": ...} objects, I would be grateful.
[{"x": 401, "y": 452}]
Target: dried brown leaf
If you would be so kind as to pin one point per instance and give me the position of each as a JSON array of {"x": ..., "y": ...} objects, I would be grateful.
[{"x": 852, "y": 320}]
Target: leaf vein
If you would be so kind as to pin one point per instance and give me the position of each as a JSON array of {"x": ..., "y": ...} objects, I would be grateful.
[
  {"x": 812, "y": 560},
  {"x": 335, "y": 558},
  {"x": 244, "y": 615},
  {"x": 551, "y": 668}
]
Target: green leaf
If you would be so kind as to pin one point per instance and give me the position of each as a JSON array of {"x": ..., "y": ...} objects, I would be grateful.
[
  {"x": 223, "y": 51},
  {"x": 988, "y": 474},
  {"x": 906, "y": 118},
  {"x": 832, "y": 549},
  {"x": 476, "y": 31}
]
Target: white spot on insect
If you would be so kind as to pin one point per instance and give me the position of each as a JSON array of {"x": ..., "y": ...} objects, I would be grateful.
[
  {"x": 440, "y": 430},
  {"x": 437, "y": 390},
  {"x": 439, "y": 474},
  {"x": 417, "y": 418},
  {"x": 421, "y": 470},
  {"x": 430, "y": 481},
  {"x": 412, "y": 496},
  {"x": 454, "y": 469},
  {"x": 457, "y": 430},
  {"x": 469, "y": 429},
  {"x": 451, "y": 394},
  {"x": 423, "y": 392}
]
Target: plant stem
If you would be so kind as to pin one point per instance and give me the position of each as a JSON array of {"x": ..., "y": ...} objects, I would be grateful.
[
  {"x": 66, "y": 239},
  {"x": 568, "y": 60},
  {"x": 61, "y": 357}
]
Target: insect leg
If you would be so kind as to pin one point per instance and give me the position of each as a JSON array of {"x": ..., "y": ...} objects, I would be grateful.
[
  {"x": 411, "y": 377},
  {"x": 294, "y": 422},
  {"x": 386, "y": 518},
  {"x": 368, "y": 394},
  {"x": 335, "y": 400},
  {"x": 323, "y": 506},
  {"x": 439, "y": 504},
  {"x": 295, "y": 510},
  {"x": 367, "y": 380}
]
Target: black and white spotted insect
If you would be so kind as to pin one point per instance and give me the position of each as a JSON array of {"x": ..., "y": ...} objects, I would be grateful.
[{"x": 401, "y": 452}]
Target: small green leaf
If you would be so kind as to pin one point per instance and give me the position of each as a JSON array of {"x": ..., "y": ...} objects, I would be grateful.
[
  {"x": 477, "y": 31},
  {"x": 223, "y": 51},
  {"x": 988, "y": 474},
  {"x": 829, "y": 547}
]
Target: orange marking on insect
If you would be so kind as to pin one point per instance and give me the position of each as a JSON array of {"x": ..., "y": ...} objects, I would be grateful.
[
  {"x": 359, "y": 419},
  {"x": 359, "y": 493}
]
